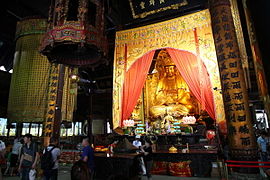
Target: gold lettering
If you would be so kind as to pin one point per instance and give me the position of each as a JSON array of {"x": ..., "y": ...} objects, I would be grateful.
[
  {"x": 151, "y": 2},
  {"x": 161, "y": 1},
  {"x": 142, "y": 4}
]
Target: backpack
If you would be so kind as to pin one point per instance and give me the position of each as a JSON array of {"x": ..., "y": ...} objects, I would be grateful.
[{"x": 47, "y": 161}]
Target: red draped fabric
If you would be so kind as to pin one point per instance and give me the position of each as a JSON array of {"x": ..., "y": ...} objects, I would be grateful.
[
  {"x": 134, "y": 81},
  {"x": 187, "y": 64}
]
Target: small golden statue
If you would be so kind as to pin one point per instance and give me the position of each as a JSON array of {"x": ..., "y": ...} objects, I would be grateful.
[{"x": 173, "y": 149}]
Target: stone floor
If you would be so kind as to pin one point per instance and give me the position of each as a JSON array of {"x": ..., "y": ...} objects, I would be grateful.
[{"x": 64, "y": 173}]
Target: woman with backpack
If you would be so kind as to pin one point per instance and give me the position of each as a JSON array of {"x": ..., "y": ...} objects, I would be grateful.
[{"x": 49, "y": 160}]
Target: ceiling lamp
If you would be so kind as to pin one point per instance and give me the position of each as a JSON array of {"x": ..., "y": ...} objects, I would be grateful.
[{"x": 75, "y": 34}]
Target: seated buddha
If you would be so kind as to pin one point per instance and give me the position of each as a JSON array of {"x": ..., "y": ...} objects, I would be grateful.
[{"x": 172, "y": 93}]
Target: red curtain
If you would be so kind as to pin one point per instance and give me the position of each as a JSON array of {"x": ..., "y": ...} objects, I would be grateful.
[
  {"x": 134, "y": 81},
  {"x": 187, "y": 64}
]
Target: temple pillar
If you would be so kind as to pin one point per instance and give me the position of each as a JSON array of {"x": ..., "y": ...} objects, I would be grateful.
[{"x": 242, "y": 142}]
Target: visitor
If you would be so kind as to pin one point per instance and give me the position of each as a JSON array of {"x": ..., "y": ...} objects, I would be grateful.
[
  {"x": 147, "y": 157},
  {"x": 88, "y": 156},
  {"x": 15, "y": 154},
  {"x": 262, "y": 146},
  {"x": 8, "y": 160},
  {"x": 16, "y": 139},
  {"x": 52, "y": 172},
  {"x": 29, "y": 157},
  {"x": 137, "y": 143},
  {"x": 2, "y": 156},
  {"x": 80, "y": 171},
  {"x": 113, "y": 145}
]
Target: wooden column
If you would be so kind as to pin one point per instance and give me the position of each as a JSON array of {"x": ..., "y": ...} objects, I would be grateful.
[
  {"x": 19, "y": 127},
  {"x": 8, "y": 129},
  {"x": 242, "y": 141},
  {"x": 90, "y": 120},
  {"x": 29, "y": 128},
  {"x": 38, "y": 130}
]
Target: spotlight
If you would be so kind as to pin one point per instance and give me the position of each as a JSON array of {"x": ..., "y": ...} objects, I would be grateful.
[{"x": 74, "y": 77}]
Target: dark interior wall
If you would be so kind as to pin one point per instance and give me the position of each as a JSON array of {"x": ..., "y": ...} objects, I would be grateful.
[
  {"x": 4, "y": 91},
  {"x": 260, "y": 13}
]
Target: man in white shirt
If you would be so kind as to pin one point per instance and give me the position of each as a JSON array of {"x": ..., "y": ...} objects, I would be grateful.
[
  {"x": 137, "y": 141},
  {"x": 15, "y": 154},
  {"x": 2, "y": 146},
  {"x": 53, "y": 173}
]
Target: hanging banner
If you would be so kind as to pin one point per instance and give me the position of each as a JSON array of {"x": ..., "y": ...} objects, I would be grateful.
[
  {"x": 28, "y": 87},
  {"x": 52, "y": 95}
]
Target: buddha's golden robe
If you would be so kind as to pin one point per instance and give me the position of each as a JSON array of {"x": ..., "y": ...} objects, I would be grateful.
[{"x": 172, "y": 94}]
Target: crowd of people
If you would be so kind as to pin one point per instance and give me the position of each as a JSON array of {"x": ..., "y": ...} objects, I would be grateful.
[
  {"x": 20, "y": 159},
  {"x": 26, "y": 158}
]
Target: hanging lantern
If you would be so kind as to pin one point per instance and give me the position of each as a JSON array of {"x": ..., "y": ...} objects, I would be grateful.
[{"x": 75, "y": 34}]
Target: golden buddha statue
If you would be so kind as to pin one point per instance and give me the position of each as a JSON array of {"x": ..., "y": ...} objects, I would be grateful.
[{"x": 172, "y": 93}]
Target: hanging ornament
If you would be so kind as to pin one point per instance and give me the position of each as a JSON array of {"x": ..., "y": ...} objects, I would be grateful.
[{"x": 75, "y": 34}]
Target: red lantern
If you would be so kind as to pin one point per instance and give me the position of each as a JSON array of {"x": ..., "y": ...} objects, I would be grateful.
[
  {"x": 75, "y": 34},
  {"x": 210, "y": 134}
]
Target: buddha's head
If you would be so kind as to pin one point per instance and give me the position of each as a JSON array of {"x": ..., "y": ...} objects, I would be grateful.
[{"x": 170, "y": 70}]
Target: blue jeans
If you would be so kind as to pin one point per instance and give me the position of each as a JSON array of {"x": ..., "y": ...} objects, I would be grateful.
[
  {"x": 50, "y": 174},
  {"x": 264, "y": 156},
  {"x": 25, "y": 173}
]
